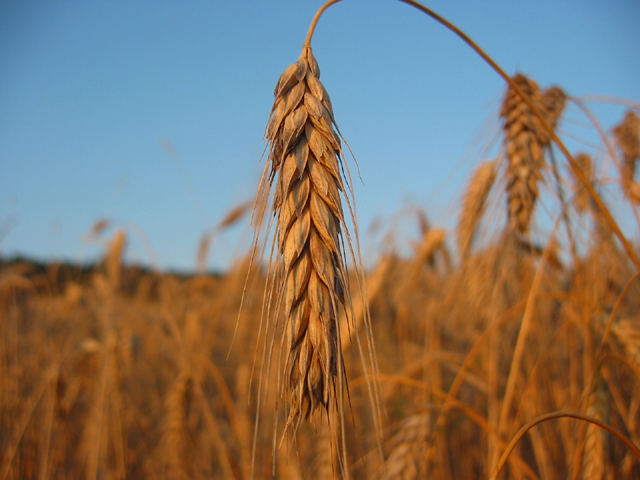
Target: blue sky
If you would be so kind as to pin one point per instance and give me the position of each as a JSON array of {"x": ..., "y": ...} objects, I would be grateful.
[{"x": 92, "y": 92}]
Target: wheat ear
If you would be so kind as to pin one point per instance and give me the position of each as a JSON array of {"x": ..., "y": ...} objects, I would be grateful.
[
  {"x": 305, "y": 166},
  {"x": 473, "y": 204},
  {"x": 627, "y": 135},
  {"x": 553, "y": 102},
  {"x": 524, "y": 145},
  {"x": 407, "y": 449},
  {"x": 580, "y": 194}
]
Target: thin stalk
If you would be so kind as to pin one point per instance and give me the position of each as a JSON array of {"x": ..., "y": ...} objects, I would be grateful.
[
  {"x": 316, "y": 17},
  {"x": 611, "y": 99},
  {"x": 551, "y": 416}
]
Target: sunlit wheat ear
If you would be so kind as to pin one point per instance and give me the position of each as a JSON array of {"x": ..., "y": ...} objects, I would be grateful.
[
  {"x": 305, "y": 170},
  {"x": 553, "y": 102},
  {"x": 473, "y": 205},
  {"x": 595, "y": 449},
  {"x": 113, "y": 258},
  {"x": 581, "y": 196},
  {"x": 627, "y": 135},
  {"x": 627, "y": 332},
  {"x": 407, "y": 459},
  {"x": 524, "y": 144}
]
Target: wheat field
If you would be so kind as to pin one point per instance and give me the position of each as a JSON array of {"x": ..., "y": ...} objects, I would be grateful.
[{"x": 506, "y": 347}]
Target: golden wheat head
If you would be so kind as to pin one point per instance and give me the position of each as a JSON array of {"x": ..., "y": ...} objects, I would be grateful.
[
  {"x": 553, "y": 102},
  {"x": 524, "y": 143},
  {"x": 305, "y": 163},
  {"x": 627, "y": 135},
  {"x": 584, "y": 164},
  {"x": 473, "y": 205}
]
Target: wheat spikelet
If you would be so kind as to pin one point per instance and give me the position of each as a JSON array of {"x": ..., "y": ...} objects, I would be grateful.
[
  {"x": 524, "y": 144},
  {"x": 305, "y": 163},
  {"x": 627, "y": 135},
  {"x": 473, "y": 205}
]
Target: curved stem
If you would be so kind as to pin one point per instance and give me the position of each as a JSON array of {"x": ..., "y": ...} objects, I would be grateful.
[
  {"x": 316, "y": 17},
  {"x": 553, "y": 415},
  {"x": 545, "y": 125}
]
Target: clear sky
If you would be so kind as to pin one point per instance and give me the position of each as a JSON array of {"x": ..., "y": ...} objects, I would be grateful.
[{"x": 152, "y": 113}]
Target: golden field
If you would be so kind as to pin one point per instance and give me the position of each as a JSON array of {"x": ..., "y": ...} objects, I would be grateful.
[{"x": 495, "y": 349}]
